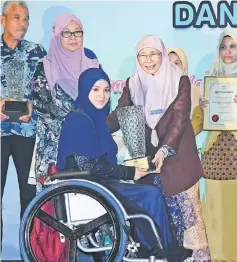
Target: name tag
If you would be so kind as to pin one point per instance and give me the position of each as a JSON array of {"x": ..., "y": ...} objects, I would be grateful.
[{"x": 157, "y": 111}]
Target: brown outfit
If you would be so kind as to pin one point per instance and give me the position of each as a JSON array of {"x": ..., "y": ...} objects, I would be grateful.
[
  {"x": 220, "y": 161},
  {"x": 174, "y": 129}
]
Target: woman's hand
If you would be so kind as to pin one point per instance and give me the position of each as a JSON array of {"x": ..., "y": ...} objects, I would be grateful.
[
  {"x": 27, "y": 118},
  {"x": 139, "y": 173},
  {"x": 158, "y": 161},
  {"x": 203, "y": 102}
]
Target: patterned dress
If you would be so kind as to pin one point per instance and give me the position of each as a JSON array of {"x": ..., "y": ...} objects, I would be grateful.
[
  {"x": 52, "y": 106},
  {"x": 186, "y": 213}
]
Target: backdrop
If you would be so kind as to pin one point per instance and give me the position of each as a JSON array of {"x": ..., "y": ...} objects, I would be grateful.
[{"x": 111, "y": 30}]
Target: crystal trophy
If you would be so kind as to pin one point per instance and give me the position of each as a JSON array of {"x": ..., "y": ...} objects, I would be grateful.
[
  {"x": 132, "y": 125},
  {"x": 16, "y": 76}
]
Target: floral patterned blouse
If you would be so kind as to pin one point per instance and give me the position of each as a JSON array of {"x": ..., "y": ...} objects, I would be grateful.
[{"x": 52, "y": 106}]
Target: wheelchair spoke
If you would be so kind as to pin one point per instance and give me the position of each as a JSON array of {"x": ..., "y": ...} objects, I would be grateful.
[
  {"x": 72, "y": 257},
  {"x": 54, "y": 223},
  {"x": 73, "y": 228},
  {"x": 92, "y": 225}
]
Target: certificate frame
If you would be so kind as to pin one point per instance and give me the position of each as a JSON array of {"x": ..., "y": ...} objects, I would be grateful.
[{"x": 227, "y": 87}]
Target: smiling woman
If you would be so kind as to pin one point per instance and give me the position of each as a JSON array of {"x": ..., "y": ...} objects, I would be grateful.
[
  {"x": 100, "y": 94},
  {"x": 150, "y": 59},
  {"x": 164, "y": 90}
]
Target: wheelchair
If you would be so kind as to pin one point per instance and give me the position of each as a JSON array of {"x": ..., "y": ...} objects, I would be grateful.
[{"x": 92, "y": 220}]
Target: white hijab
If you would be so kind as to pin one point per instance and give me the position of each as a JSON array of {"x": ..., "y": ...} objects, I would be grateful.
[
  {"x": 158, "y": 91},
  {"x": 219, "y": 68}
]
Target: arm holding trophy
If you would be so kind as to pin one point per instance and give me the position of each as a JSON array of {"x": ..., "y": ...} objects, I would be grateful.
[
  {"x": 15, "y": 110},
  {"x": 21, "y": 111},
  {"x": 19, "y": 59},
  {"x": 16, "y": 107},
  {"x": 180, "y": 116},
  {"x": 169, "y": 137}
]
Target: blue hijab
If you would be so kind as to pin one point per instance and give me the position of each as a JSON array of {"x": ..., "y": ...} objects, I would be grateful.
[{"x": 86, "y": 132}]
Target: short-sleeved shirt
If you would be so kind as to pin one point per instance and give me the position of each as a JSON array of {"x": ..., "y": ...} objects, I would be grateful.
[{"x": 17, "y": 69}]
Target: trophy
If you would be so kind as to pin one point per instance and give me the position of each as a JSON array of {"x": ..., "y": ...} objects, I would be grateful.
[
  {"x": 132, "y": 125},
  {"x": 16, "y": 76}
]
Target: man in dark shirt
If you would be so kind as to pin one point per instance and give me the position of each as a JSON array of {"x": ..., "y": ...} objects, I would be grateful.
[{"x": 18, "y": 62}]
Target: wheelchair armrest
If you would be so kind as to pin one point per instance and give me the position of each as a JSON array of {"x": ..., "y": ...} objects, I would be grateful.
[{"x": 68, "y": 175}]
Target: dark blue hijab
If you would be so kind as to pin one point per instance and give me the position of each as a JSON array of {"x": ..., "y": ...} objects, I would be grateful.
[{"x": 86, "y": 132}]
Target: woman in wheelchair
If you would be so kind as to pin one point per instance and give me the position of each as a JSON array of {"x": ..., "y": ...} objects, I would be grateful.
[{"x": 86, "y": 144}]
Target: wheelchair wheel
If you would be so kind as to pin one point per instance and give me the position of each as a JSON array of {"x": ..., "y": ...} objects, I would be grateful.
[{"x": 114, "y": 218}]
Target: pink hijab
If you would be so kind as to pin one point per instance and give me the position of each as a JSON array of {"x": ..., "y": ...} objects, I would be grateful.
[
  {"x": 63, "y": 66},
  {"x": 154, "y": 92}
]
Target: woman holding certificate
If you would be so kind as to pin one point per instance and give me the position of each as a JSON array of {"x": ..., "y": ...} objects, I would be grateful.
[{"x": 220, "y": 163}]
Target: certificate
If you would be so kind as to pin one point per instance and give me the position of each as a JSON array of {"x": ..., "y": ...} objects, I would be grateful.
[{"x": 221, "y": 112}]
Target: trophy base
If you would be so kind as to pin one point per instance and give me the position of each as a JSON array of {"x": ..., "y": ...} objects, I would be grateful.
[
  {"x": 141, "y": 163},
  {"x": 14, "y": 110}
]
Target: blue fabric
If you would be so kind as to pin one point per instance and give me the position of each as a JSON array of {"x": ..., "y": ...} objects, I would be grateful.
[
  {"x": 151, "y": 199},
  {"x": 88, "y": 125},
  {"x": 178, "y": 206},
  {"x": 29, "y": 53},
  {"x": 89, "y": 53}
]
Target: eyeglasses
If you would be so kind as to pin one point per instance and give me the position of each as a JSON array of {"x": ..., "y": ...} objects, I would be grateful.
[
  {"x": 68, "y": 34},
  {"x": 151, "y": 56}
]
